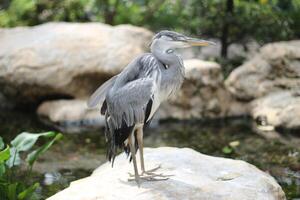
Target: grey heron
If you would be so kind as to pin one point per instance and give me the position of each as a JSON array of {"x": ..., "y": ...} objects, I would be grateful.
[{"x": 131, "y": 98}]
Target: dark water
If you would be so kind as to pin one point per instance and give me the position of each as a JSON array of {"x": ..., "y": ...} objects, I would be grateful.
[{"x": 77, "y": 155}]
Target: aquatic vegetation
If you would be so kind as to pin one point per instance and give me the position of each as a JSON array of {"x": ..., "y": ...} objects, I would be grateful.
[{"x": 12, "y": 187}]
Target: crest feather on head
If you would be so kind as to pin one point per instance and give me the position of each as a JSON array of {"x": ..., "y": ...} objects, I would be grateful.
[{"x": 171, "y": 34}]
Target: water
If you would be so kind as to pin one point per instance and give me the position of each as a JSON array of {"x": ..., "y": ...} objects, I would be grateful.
[{"x": 78, "y": 154}]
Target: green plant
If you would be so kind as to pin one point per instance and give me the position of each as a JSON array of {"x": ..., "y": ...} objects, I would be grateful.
[{"x": 11, "y": 161}]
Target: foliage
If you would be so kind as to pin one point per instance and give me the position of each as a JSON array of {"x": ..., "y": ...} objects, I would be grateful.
[
  {"x": 227, "y": 150},
  {"x": 32, "y": 12},
  {"x": 10, "y": 162},
  {"x": 229, "y": 20},
  {"x": 239, "y": 20}
]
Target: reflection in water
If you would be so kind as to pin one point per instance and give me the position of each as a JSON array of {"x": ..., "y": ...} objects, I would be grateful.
[{"x": 77, "y": 155}]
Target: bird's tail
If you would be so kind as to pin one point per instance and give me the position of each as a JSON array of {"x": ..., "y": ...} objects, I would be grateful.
[
  {"x": 109, "y": 136},
  {"x": 116, "y": 137}
]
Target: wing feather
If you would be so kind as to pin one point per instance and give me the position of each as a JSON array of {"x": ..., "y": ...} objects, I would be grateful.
[
  {"x": 135, "y": 86},
  {"x": 129, "y": 103},
  {"x": 98, "y": 96}
]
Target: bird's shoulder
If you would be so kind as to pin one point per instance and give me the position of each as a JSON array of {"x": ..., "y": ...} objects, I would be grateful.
[
  {"x": 143, "y": 66},
  {"x": 144, "y": 62},
  {"x": 148, "y": 60}
]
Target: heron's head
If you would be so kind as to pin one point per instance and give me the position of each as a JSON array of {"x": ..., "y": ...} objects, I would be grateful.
[{"x": 170, "y": 40}]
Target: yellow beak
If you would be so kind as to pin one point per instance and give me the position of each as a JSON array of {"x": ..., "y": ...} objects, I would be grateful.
[{"x": 198, "y": 42}]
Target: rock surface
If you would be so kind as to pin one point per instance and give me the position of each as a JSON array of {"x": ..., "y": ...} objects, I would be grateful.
[
  {"x": 280, "y": 109},
  {"x": 196, "y": 176},
  {"x": 64, "y": 59},
  {"x": 70, "y": 115},
  {"x": 275, "y": 68},
  {"x": 203, "y": 94},
  {"x": 269, "y": 79}
]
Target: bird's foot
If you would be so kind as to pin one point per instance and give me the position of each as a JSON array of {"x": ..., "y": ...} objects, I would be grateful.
[
  {"x": 149, "y": 175},
  {"x": 146, "y": 172},
  {"x": 151, "y": 171}
]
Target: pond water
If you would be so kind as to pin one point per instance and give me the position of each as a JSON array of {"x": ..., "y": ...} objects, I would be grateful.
[{"x": 76, "y": 155}]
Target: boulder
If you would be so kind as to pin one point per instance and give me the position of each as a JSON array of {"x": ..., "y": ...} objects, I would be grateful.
[
  {"x": 279, "y": 109},
  {"x": 56, "y": 60},
  {"x": 202, "y": 95},
  {"x": 275, "y": 68},
  {"x": 195, "y": 176},
  {"x": 70, "y": 115},
  {"x": 270, "y": 80}
]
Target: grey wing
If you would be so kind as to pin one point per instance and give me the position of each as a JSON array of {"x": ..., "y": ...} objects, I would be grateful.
[
  {"x": 128, "y": 74},
  {"x": 99, "y": 95},
  {"x": 130, "y": 104},
  {"x": 126, "y": 107},
  {"x": 131, "y": 100}
]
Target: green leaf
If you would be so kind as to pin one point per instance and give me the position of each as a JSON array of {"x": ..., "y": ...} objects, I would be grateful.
[
  {"x": 2, "y": 145},
  {"x": 27, "y": 194},
  {"x": 25, "y": 141},
  {"x": 2, "y": 169},
  {"x": 33, "y": 156},
  {"x": 4, "y": 155},
  {"x": 14, "y": 159},
  {"x": 12, "y": 191},
  {"x": 227, "y": 150}
]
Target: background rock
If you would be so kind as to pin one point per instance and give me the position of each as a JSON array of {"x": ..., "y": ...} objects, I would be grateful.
[
  {"x": 275, "y": 68},
  {"x": 280, "y": 109},
  {"x": 64, "y": 59},
  {"x": 70, "y": 60},
  {"x": 196, "y": 176},
  {"x": 269, "y": 79},
  {"x": 70, "y": 115},
  {"x": 202, "y": 95}
]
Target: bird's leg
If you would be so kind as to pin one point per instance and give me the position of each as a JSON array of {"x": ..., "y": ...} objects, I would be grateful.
[
  {"x": 147, "y": 175},
  {"x": 141, "y": 150},
  {"x": 132, "y": 151},
  {"x": 139, "y": 135}
]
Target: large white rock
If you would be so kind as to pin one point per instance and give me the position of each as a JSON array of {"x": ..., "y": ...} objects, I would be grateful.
[
  {"x": 278, "y": 109},
  {"x": 65, "y": 59},
  {"x": 275, "y": 68},
  {"x": 70, "y": 115},
  {"x": 266, "y": 81},
  {"x": 196, "y": 176}
]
